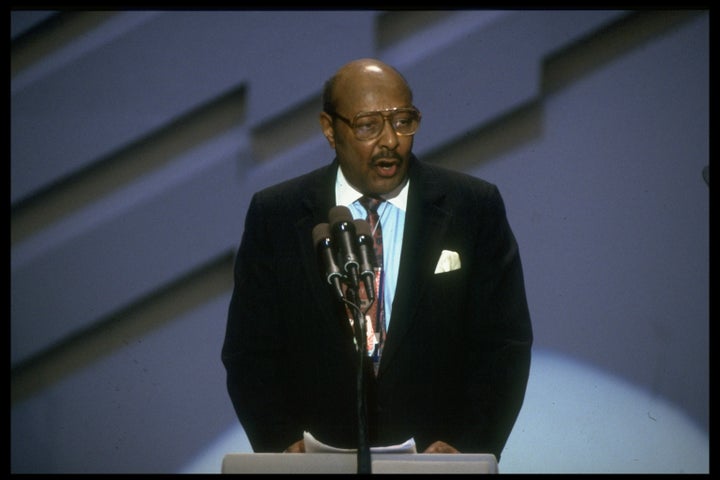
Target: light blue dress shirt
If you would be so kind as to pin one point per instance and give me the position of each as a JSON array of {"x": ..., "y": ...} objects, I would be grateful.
[{"x": 392, "y": 221}]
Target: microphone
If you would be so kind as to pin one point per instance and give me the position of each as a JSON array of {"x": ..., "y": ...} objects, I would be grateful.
[
  {"x": 366, "y": 252},
  {"x": 342, "y": 229},
  {"x": 324, "y": 246}
]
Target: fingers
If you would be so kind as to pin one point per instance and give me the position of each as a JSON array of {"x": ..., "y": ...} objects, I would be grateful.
[
  {"x": 440, "y": 447},
  {"x": 297, "y": 447},
  {"x": 436, "y": 447}
]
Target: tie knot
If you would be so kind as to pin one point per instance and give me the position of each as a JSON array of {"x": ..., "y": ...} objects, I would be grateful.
[{"x": 371, "y": 204}]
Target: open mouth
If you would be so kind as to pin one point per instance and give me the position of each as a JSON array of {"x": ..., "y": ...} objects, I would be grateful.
[{"x": 386, "y": 168}]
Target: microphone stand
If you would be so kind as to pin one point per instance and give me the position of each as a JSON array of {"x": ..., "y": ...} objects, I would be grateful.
[
  {"x": 343, "y": 232},
  {"x": 364, "y": 463}
]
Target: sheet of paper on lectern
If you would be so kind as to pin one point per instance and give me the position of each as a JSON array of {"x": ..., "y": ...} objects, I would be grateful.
[{"x": 313, "y": 445}]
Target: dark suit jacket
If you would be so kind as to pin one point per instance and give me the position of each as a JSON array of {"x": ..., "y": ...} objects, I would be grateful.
[{"x": 457, "y": 356}]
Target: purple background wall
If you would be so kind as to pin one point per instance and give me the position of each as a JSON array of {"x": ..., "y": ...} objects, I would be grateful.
[{"x": 138, "y": 137}]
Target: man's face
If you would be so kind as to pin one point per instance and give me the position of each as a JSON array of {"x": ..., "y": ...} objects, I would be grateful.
[{"x": 374, "y": 166}]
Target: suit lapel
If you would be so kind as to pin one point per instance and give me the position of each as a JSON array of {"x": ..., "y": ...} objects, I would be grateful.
[
  {"x": 425, "y": 225},
  {"x": 317, "y": 202}
]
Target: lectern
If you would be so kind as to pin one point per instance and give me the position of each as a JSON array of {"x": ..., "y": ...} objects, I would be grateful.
[{"x": 320, "y": 463}]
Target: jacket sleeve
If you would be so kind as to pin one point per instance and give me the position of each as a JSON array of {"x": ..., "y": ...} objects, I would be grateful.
[
  {"x": 255, "y": 346},
  {"x": 499, "y": 333}
]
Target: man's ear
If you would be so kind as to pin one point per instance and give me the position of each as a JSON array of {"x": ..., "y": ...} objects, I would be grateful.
[{"x": 326, "y": 123}]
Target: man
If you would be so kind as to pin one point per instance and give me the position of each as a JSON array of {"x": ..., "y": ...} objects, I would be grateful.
[{"x": 456, "y": 355}]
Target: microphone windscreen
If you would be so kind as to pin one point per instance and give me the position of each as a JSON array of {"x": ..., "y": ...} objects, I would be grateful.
[
  {"x": 320, "y": 232},
  {"x": 339, "y": 213},
  {"x": 362, "y": 227}
]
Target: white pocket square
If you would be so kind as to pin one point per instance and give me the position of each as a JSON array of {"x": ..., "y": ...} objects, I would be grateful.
[{"x": 448, "y": 262}]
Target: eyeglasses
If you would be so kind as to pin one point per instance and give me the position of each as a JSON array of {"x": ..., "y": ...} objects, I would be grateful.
[{"x": 369, "y": 125}]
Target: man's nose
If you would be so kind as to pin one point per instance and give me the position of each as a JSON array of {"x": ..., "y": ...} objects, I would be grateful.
[{"x": 388, "y": 137}]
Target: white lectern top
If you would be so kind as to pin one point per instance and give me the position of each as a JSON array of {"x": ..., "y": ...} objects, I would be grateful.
[{"x": 347, "y": 463}]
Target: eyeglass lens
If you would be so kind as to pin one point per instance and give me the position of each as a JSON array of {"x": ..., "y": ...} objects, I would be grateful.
[{"x": 370, "y": 125}]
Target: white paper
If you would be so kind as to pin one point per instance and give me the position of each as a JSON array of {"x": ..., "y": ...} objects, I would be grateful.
[{"x": 313, "y": 445}]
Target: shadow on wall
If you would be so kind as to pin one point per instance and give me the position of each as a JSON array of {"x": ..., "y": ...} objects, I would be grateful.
[{"x": 575, "y": 419}]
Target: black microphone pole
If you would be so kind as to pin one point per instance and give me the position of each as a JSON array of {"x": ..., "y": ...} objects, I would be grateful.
[
  {"x": 343, "y": 229},
  {"x": 364, "y": 462}
]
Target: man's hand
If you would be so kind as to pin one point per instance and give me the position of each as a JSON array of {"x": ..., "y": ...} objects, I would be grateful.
[
  {"x": 297, "y": 447},
  {"x": 435, "y": 447},
  {"x": 440, "y": 447}
]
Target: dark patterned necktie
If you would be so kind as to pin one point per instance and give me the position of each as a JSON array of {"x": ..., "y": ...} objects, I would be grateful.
[{"x": 377, "y": 311}]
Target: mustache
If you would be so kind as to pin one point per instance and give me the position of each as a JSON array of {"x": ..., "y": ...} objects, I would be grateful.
[{"x": 384, "y": 156}]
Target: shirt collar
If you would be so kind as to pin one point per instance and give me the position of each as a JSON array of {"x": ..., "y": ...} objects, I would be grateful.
[{"x": 345, "y": 194}]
